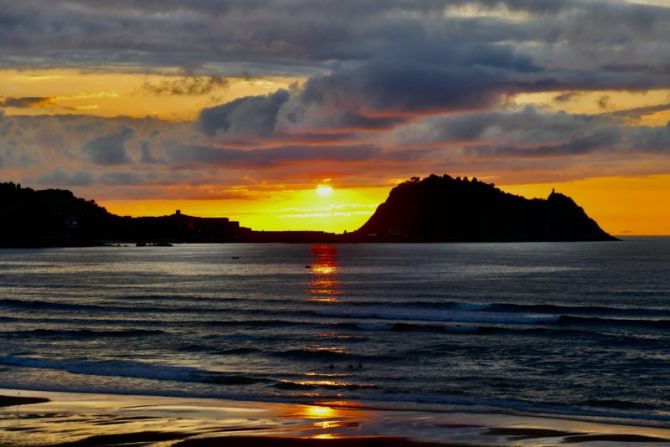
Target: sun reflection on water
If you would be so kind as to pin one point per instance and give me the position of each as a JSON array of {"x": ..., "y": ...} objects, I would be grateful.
[
  {"x": 324, "y": 286},
  {"x": 324, "y": 436},
  {"x": 317, "y": 412}
]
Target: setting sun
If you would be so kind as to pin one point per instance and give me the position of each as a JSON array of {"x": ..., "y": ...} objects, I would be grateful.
[{"x": 324, "y": 190}]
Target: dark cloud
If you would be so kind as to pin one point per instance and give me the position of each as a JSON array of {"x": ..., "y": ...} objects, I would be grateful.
[
  {"x": 61, "y": 178},
  {"x": 109, "y": 149},
  {"x": 527, "y": 126},
  {"x": 26, "y": 102},
  {"x": 122, "y": 178},
  {"x": 245, "y": 117},
  {"x": 303, "y": 36},
  {"x": 654, "y": 139},
  {"x": 530, "y": 133},
  {"x": 455, "y": 77},
  {"x": 596, "y": 141},
  {"x": 145, "y": 154},
  {"x": 187, "y": 85},
  {"x": 265, "y": 158},
  {"x": 412, "y": 78},
  {"x": 296, "y": 117}
]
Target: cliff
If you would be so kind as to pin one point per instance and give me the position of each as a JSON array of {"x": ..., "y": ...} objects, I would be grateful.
[{"x": 444, "y": 209}]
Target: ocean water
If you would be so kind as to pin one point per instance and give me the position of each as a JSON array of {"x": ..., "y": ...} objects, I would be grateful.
[{"x": 577, "y": 329}]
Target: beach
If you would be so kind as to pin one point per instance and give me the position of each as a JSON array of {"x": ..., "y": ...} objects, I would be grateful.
[{"x": 88, "y": 419}]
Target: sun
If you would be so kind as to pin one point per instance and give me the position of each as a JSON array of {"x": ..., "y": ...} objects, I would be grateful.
[{"x": 324, "y": 190}]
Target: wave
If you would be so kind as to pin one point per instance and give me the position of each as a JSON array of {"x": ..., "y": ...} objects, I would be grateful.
[
  {"x": 79, "y": 333},
  {"x": 258, "y": 323},
  {"x": 617, "y": 404},
  {"x": 107, "y": 307},
  {"x": 47, "y": 305},
  {"x": 138, "y": 370},
  {"x": 385, "y": 319},
  {"x": 434, "y": 311},
  {"x": 614, "y": 322},
  {"x": 441, "y": 316},
  {"x": 580, "y": 310},
  {"x": 194, "y": 347},
  {"x": 238, "y": 351},
  {"x": 325, "y": 384},
  {"x": 558, "y": 331},
  {"x": 539, "y": 308},
  {"x": 328, "y": 355}
]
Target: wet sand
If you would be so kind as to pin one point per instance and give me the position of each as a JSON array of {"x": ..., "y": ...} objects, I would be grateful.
[
  {"x": 31, "y": 418},
  {"x": 11, "y": 401}
]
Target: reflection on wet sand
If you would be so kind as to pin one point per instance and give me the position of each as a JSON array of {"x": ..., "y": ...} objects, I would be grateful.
[
  {"x": 83, "y": 420},
  {"x": 95, "y": 420},
  {"x": 324, "y": 286}
]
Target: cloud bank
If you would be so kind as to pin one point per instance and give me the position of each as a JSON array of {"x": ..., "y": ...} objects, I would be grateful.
[{"x": 390, "y": 89}]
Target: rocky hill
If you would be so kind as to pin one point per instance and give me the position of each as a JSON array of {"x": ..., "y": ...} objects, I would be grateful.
[
  {"x": 55, "y": 217},
  {"x": 446, "y": 209}
]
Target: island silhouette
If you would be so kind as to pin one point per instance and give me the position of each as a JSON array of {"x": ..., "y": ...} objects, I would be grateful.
[
  {"x": 446, "y": 209},
  {"x": 433, "y": 209}
]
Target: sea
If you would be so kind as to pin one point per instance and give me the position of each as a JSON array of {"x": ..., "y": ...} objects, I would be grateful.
[{"x": 576, "y": 330}]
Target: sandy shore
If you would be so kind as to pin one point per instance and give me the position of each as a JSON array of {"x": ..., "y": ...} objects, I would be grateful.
[
  {"x": 77, "y": 419},
  {"x": 12, "y": 401}
]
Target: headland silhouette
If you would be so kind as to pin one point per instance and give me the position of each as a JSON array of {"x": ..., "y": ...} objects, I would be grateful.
[{"x": 434, "y": 209}]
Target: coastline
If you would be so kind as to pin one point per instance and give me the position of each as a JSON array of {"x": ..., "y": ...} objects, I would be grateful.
[{"x": 87, "y": 419}]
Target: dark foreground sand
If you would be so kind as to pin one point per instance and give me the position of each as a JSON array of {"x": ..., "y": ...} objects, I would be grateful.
[
  {"x": 11, "y": 401},
  {"x": 83, "y": 420}
]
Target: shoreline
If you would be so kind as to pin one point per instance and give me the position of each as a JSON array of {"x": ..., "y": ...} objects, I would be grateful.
[
  {"x": 602, "y": 417},
  {"x": 32, "y": 418}
]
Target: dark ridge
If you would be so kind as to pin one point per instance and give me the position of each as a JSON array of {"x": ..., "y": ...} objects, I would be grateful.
[
  {"x": 56, "y": 218},
  {"x": 444, "y": 209},
  {"x": 435, "y": 209}
]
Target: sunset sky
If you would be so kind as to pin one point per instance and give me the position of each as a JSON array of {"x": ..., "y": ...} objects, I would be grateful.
[{"x": 242, "y": 108}]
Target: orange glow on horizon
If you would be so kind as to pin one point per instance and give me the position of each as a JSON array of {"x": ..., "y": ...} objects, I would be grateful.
[
  {"x": 345, "y": 209},
  {"x": 621, "y": 205}
]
